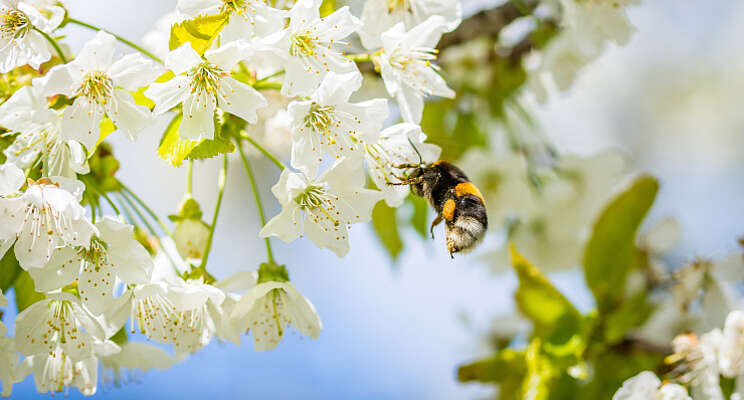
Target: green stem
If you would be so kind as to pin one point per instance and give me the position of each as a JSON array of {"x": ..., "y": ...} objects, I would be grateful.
[
  {"x": 274, "y": 75},
  {"x": 190, "y": 178},
  {"x": 53, "y": 43},
  {"x": 265, "y": 152},
  {"x": 147, "y": 209},
  {"x": 267, "y": 85},
  {"x": 92, "y": 183},
  {"x": 139, "y": 214},
  {"x": 119, "y": 38},
  {"x": 127, "y": 215},
  {"x": 359, "y": 57},
  {"x": 220, "y": 191},
  {"x": 259, "y": 205}
]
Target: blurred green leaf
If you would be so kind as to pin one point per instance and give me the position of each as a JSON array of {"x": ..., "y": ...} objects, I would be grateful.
[
  {"x": 226, "y": 126},
  {"x": 327, "y": 7},
  {"x": 507, "y": 369},
  {"x": 172, "y": 148},
  {"x": 610, "y": 253},
  {"x": 554, "y": 317},
  {"x": 200, "y": 32},
  {"x": 120, "y": 337},
  {"x": 25, "y": 291},
  {"x": 454, "y": 130},
  {"x": 613, "y": 367},
  {"x": 385, "y": 224},
  {"x": 419, "y": 218},
  {"x": 631, "y": 314},
  {"x": 540, "y": 373},
  {"x": 9, "y": 270}
]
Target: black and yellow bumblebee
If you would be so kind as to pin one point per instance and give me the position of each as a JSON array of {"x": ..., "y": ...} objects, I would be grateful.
[{"x": 456, "y": 200}]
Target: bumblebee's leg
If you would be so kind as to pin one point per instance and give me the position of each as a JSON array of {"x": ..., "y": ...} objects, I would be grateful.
[
  {"x": 434, "y": 223},
  {"x": 407, "y": 165},
  {"x": 407, "y": 181}
]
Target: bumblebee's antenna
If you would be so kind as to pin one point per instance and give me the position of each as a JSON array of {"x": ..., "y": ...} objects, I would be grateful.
[{"x": 421, "y": 159}]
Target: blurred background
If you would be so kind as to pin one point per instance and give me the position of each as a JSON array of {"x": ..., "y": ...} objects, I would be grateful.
[{"x": 668, "y": 100}]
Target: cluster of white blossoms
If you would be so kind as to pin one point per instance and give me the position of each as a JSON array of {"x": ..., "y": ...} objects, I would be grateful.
[
  {"x": 95, "y": 284},
  {"x": 587, "y": 26},
  {"x": 699, "y": 363}
]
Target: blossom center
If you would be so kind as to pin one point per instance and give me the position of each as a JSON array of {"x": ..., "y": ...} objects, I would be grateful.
[
  {"x": 319, "y": 118},
  {"x": 316, "y": 200},
  {"x": 303, "y": 44},
  {"x": 394, "y": 5},
  {"x": 418, "y": 56},
  {"x": 234, "y": 6},
  {"x": 14, "y": 24},
  {"x": 97, "y": 87},
  {"x": 205, "y": 78},
  {"x": 96, "y": 255}
]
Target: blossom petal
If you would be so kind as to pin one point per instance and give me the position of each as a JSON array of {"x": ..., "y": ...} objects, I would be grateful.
[
  {"x": 198, "y": 117},
  {"x": 134, "y": 71},
  {"x": 60, "y": 271},
  {"x": 182, "y": 59},
  {"x": 81, "y": 122},
  {"x": 127, "y": 115},
  {"x": 11, "y": 179},
  {"x": 98, "y": 53},
  {"x": 241, "y": 100},
  {"x": 169, "y": 94},
  {"x": 285, "y": 225}
]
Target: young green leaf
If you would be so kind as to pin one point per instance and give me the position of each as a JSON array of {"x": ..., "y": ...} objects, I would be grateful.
[
  {"x": 610, "y": 253},
  {"x": 200, "y": 31},
  {"x": 25, "y": 291},
  {"x": 172, "y": 148},
  {"x": 553, "y": 316},
  {"x": 419, "y": 218},
  {"x": 385, "y": 225},
  {"x": 9, "y": 270}
]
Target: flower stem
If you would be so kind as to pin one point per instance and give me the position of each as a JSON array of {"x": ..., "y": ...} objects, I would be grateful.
[
  {"x": 267, "y": 85},
  {"x": 53, "y": 43},
  {"x": 190, "y": 178},
  {"x": 265, "y": 152},
  {"x": 136, "y": 210},
  {"x": 259, "y": 205},
  {"x": 359, "y": 57},
  {"x": 92, "y": 183},
  {"x": 119, "y": 38},
  {"x": 220, "y": 191},
  {"x": 149, "y": 211},
  {"x": 274, "y": 75}
]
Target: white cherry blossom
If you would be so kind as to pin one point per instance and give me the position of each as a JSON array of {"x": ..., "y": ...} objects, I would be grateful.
[
  {"x": 112, "y": 254},
  {"x": 9, "y": 361},
  {"x": 269, "y": 307},
  {"x": 407, "y": 69},
  {"x": 393, "y": 148},
  {"x": 135, "y": 356},
  {"x": 248, "y": 18},
  {"x": 54, "y": 371},
  {"x": 329, "y": 123},
  {"x": 45, "y": 216},
  {"x": 321, "y": 208},
  {"x": 201, "y": 85},
  {"x": 39, "y": 132},
  {"x": 731, "y": 348},
  {"x": 233, "y": 288},
  {"x": 100, "y": 85},
  {"x": 20, "y": 44},
  {"x": 698, "y": 355},
  {"x": 379, "y": 15},
  {"x": 647, "y": 386},
  {"x": 58, "y": 322},
  {"x": 311, "y": 46}
]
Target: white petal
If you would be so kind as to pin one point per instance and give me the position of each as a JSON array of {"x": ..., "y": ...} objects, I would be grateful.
[
  {"x": 344, "y": 174},
  {"x": 198, "y": 117},
  {"x": 81, "y": 122},
  {"x": 127, "y": 115},
  {"x": 11, "y": 179},
  {"x": 241, "y": 100},
  {"x": 168, "y": 94},
  {"x": 134, "y": 71},
  {"x": 337, "y": 88},
  {"x": 411, "y": 104},
  {"x": 62, "y": 269},
  {"x": 130, "y": 259},
  {"x": 302, "y": 314},
  {"x": 194, "y": 8},
  {"x": 240, "y": 281},
  {"x": 59, "y": 80},
  {"x": 285, "y": 225},
  {"x": 324, "y": 234},
  {"x": 97, "y": 54},
  {"x": 227, "y": 56},
  {"x": 182, "y": 59}
]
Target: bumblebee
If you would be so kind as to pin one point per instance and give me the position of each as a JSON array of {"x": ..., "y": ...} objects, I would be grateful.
[{"x": 456, "y": 200}]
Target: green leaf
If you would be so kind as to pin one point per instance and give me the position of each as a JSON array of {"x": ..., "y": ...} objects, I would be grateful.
[
  {"x": 9, "y": 270},
  {"x": 209, "y": 148},
  {"x": 553, "y": 316},
  {"x": 419, "y": 218},
  {"x": 610, "y": 253},
  {"x": 25, "y": 291},
  {"x": 327, "y": 7},
  {"x": 120, "y": 337},
  {"x": 385, "y": 225},
  {"x": 540, "y": 373},
  {"x": 631, "y": 314},
  {"x": 454, "y": 130},
  {"x": 172, "y": 148},
  {"x": 507, "y": 369},
  {"x": 200, "y": 31}
]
